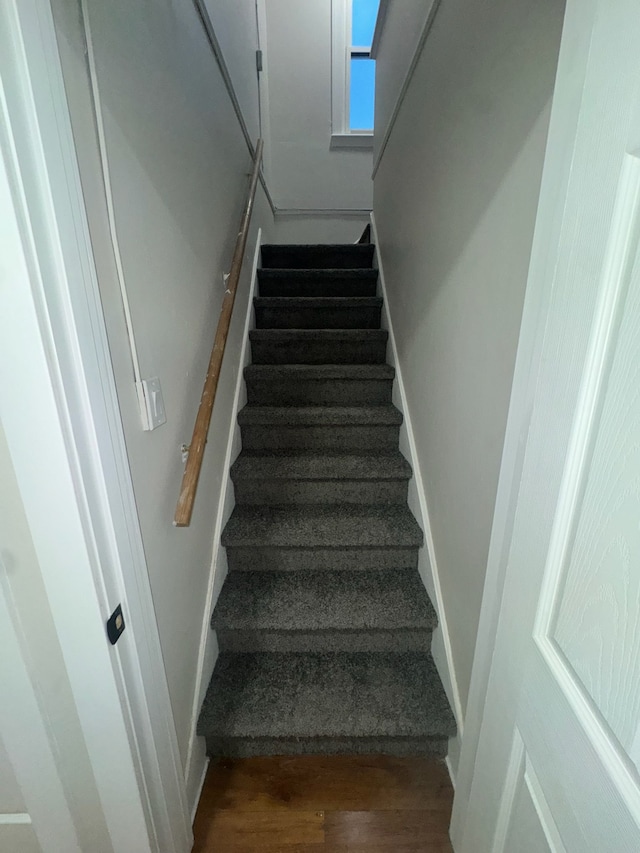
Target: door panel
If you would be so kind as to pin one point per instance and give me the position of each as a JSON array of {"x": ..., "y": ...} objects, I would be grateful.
[
  {"x": 531, "y": 827},
  {"x": 16, "y": 832},
  {"x": 18, "y": 837},
  {"x": 34, "y": 815},
  {"x": 565, "y": 676},
  {"x": 592, "y": 578},
  {"x": 525, "y": 821}
]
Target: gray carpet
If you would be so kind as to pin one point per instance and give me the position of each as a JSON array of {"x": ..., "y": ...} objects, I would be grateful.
[
  {"x": 320, "y": 478},
  {"x": 326, "y": 600},
  {"x": 330, "y": 526},
  {"x": 323, "y": 623},
  {"x": 324, "y": 312},
  {"x": 318, "y": 346},
  {"x": 326, "y": 282},
  {"x": 307, "y": 697}
]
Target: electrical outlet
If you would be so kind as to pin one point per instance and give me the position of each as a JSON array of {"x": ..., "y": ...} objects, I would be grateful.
[{"x": 154, "y": 402}]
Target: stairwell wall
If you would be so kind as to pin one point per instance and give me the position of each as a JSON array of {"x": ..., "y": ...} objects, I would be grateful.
[
  {"x": 305, "y": 172},
  {"x": 179, "y": 169},
  {"x": 455, "y": 197}
]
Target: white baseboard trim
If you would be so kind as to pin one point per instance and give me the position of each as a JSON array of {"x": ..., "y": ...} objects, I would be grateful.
[
  {"x": 427, "y": 564},
  {"x": 332, "y": 212},
  {"x": 198, "y": 792},
  {"x": 197, "y": 760}
]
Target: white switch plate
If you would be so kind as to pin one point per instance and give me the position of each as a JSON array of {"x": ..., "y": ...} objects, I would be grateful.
[{"x": 154, "y": 402}]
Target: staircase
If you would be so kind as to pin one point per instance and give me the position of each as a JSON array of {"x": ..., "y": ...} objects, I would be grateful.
[{"x": 323, "y": 623}]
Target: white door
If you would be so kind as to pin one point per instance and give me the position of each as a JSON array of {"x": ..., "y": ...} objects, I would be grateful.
[
  {"x": 559, "y": 748},
  {"x": 34, "y": 815}
]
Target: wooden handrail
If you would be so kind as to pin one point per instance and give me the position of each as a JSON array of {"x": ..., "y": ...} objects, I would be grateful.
[{"x": 192, "y": 469}]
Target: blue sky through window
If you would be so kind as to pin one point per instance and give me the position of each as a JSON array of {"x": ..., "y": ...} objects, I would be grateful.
[
  {"x": 361, "y": 96},
  {"x": 362, "y": 70},
  {"x": 363, "y": 22}
]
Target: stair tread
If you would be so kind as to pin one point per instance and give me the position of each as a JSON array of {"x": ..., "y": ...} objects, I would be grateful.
[
  {"x": 330, "y": 694},
  {"x": 320, "y": 371},
  {"x": 321, "y": 466},
  {"x": 315, "y": 273},
  {"x": 317, "y": 256},
  {"x": 307, "y": 282},
  {"x": 322, "y": 526},
  {"x": 307, "y": 302},
  {"x": 334, "y": 335},
  {"x": 387, "y": 415},
  {"x": 324, "y": 601}
]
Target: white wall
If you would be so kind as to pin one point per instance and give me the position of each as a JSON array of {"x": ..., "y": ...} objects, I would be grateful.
[
  {"x": 178, "y": 164},
  {"x": 320, "y": 229},
  {"x": 455, "y": 200},
  {"x": 304, "y": 172},
  {"x": 399, "y": 29},
  {"x": 236, "y": 29}
]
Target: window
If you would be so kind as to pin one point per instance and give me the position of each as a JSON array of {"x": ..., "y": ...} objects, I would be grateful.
[
  {"x": 353, "y": 84},
  {"x": 362, "y": 69}
]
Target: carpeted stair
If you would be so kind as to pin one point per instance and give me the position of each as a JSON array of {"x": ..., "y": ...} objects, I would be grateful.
[{"x": 323, "y": 623}]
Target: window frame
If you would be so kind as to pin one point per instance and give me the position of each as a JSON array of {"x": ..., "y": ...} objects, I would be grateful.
[{"x": 341, "y": 52}]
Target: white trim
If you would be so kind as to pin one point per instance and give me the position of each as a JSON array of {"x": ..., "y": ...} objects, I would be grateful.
[
  {"x": 195, "y": 800},
  {"x": 356, "y": 139},
  {"x": 85, "y": 416},
  {"x": 337, "y": 212},
  {"x": 14, "y": 818},
  {"x": 515, "y": 772},
  {"x": 208, "y": 650},
  {"x": 453, "y": 774},
  {"x": 340, "y": 40},
  {"x": 386, "y": 133},
  {"x": 441, "y": 651}
]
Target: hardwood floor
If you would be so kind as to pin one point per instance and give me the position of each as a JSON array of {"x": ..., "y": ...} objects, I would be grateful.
[{"x": 318, "y": 804}]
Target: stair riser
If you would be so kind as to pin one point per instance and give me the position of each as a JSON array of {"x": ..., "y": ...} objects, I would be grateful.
[
  {"x": 280, "y": 492},
  {"x": 319, "y": 352},
  {"x": 338, "y": 439},
  {"x": 241, "y": 559},
  {"x": 365, "y": 317},
  {"x": 318, "y": 392},
  {"x": 323, "y": 641},
  {"x": 301, "y": 287},
  {"x": 317, "y": 257},
  {"x": 247, "y": 747}
]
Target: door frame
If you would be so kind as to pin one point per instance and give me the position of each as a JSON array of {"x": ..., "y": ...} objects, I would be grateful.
[
  {"x": 567, "y": 98},
  {"x": 75, "y": 375}
]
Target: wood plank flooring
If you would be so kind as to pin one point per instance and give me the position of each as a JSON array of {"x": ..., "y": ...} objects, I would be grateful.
[{"x": 319, "y": 804}]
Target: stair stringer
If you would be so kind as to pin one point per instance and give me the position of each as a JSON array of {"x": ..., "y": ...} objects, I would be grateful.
[
  {"x": 441, "y": 650},
  {"x": 197, "y": 759}
]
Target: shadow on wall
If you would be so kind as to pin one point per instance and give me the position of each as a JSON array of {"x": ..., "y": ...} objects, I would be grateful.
[{"x": 455, "y": 199}]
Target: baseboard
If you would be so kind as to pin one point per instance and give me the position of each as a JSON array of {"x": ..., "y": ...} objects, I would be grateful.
[
  {"x": 196, "y": 763},
  {"x": 453, "y": 758},
  {"x": 332, "y": 212},
  {"x": 427, "y": 562},
  {"x": 195, "y": 800}
]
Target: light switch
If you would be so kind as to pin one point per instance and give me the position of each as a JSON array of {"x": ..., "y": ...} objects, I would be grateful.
[{"x": 154, "y": 402}]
